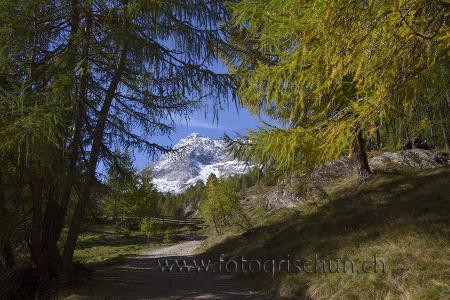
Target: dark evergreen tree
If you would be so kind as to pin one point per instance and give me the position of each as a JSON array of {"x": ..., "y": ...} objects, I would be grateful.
[{"x": 85, "y": 78}]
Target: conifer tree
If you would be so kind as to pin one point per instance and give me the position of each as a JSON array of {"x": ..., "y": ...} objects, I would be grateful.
[
  {"x": 330, "y": 70},
  {"x": 87, "y": 78}
]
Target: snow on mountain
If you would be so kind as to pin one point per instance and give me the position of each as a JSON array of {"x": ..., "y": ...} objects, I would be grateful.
[{"x": 197, "y": 157}]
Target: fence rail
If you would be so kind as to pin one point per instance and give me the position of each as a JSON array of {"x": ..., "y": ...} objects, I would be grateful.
[{"x": 198, "y": 222}]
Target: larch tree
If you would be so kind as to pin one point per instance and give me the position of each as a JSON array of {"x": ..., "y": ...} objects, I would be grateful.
[
  {"x": 148, "y": 62},
  {"x": 82, "y": 79},
  {"x": 331, "y": 70}
]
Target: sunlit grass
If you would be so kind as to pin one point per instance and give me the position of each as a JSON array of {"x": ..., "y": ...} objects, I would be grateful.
[{"x": 106, "y": 244}]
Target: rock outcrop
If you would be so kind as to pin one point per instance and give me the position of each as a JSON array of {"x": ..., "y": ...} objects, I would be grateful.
[{"x": 286, "y": 194}]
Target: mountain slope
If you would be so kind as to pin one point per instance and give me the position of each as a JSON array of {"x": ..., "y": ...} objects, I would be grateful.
[{"x": 196, "y": 158}]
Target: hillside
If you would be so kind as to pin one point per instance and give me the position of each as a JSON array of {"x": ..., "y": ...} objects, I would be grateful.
[
  {"x": 295, "y": 189},
  {"x": 402, "y": 215}
]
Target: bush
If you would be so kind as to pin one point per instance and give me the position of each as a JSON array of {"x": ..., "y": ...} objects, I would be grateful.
[{"x": 150, "y": 227}]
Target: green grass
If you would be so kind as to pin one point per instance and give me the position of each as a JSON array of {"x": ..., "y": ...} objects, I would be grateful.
[
  {"x": 106, "y": 244},
  {"x": 402, "y": 217}
]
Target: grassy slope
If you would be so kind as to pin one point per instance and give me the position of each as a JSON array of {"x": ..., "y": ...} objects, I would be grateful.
[{"x": 401, "y": 217}]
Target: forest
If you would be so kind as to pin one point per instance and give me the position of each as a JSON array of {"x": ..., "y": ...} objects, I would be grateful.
[{"x": 84, "y": 84}]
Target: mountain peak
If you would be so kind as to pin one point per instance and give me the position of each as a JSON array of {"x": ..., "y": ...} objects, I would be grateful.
[
  {"x": 198, "y": 157},
  {"x": 193, "y": 135}
]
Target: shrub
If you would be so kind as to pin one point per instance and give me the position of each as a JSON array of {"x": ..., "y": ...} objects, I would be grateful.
[{"x": 149, "y": 227}]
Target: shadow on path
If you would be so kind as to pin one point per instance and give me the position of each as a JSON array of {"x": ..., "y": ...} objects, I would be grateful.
[{"x": 140, "y": 277}]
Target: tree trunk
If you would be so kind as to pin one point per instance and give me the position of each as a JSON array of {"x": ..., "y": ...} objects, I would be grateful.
[
  {"x": 7, "y": 253},
  {"x": 444, "y": 131},
  {"x": 6, "y": 250},
  {"x": 115, "y": 211},
  {"x": 37, "y": 249},
  {"x": 57, "y": 210},
  {"x": 50, "y": 236},
  {"x": 89, "y": 177},
  {"x": 378, "y": 137},
  {"x": 406, "y": 132},
  {"x": 364, "y": 171},
  {"x": 215, "y": 224},
  {"x": 432, "y": 133}
]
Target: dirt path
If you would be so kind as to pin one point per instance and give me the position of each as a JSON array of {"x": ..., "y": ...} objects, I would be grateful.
[{"x": 140, "y": 277}]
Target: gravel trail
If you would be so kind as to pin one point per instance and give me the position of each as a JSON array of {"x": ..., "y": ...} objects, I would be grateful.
[{"x": 140, "y": 277}]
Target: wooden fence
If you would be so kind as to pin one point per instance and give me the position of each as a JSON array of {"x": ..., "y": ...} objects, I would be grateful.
[{"x": 194, "y": 222}]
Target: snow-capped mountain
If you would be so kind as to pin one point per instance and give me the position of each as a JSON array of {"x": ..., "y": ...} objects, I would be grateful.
[{"x": 197, "y": 157}]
